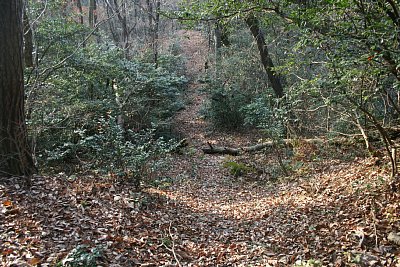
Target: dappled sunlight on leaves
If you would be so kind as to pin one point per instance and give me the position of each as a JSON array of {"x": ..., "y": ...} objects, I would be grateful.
[{"x": 328, "y": 213}]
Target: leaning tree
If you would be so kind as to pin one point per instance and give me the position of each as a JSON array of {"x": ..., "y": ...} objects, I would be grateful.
[{"x": 15, "y": 154}]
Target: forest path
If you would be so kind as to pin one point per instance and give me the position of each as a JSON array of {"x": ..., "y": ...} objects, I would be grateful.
[
  {"x": 220, "y": 220},
  {"x": 331, "y": 210},
  {"x": 214, "y": 208},
  {"x": 189, "y": 122}
]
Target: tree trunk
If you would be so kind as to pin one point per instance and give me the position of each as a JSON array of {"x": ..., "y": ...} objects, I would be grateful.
[
  {"x": 28, "y": 41},
  {"x": 15, "y": 154},
  {"x": 253, "y": 23},
  {"x": 80, "y": 10},
  {"x": 110, "y": 12},
  {"x": 136, "y": 4},
  {"x": 92, "y": 13},
  {"x": 217, "y": 48},
  {"x": 123, "y": 38},
  {"x": 223, "y": 34},
  {"x": 156, "y": 32},
  {"x": 125, "y": 30},
  {"x": 150, "y": 17}
]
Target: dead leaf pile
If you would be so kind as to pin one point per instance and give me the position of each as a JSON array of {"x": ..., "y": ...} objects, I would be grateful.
[{"x": 342, "y": 213}]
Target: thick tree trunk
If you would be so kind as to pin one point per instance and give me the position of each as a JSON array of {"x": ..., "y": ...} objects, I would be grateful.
[
  {"x": 28, "y": 41},
  {"x": 217, "y": 48},
  {"x": 217, "y": 42},
  {"x": 253, "y": 23},
  {"x": 137, "y": 7},
  {"x": 116, "y": 37},
  {"x": 15, "y": 154},
  {"x": 125, "y": 30}
]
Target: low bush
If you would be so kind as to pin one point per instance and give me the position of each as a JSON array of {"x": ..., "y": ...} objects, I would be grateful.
[{"x": 225, "y": 108}]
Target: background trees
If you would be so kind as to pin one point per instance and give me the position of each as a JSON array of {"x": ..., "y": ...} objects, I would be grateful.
[
  {"x": 336, "y": 60},
  {"x": 104, "y": 79},
  {"x": 289, "y": 67},
  {"x": 101, "y": 94}
]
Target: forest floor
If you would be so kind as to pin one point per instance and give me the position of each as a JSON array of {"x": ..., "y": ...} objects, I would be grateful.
[{"x": 334, "y": 210}]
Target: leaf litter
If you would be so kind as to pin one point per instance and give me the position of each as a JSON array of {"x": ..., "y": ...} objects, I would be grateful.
[{"x": 342, "y": 213}]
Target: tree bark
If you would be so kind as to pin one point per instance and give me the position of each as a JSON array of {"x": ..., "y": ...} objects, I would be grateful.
[
  {"x": 92, "y": 13},
  {"x": 253, "y": 23},
  {"x": 15, "y": 153},
  {"x": 80, "y": 10},
  {"x": 28, "y": 41},
  {"x": 156, "y": 32},
  {"x": 150, "y": 17},
  {"x": 223, "y": 35},
  {"x": 217, "y": 48}
]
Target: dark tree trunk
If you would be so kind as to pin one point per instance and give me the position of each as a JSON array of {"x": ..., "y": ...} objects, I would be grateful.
[
  {"x": 156, "y": 32},
  {"x": 92, "y": 13},
  {"x": 253, "y": 23},
  {"x": 110, "y": 12},
  {"x": 125, "y": 30},
  {"x": 28, "y": 42},
  {"x": 136, "y": 14},
  {"x": 150, "y": 17},
  {"x": 15, "y": 154},
  {"x": 217, "y": 37},
  {"x": 217, "y": 48},
  {"x": 80, "y": 10},
  {"x": 222, "y": 31}
]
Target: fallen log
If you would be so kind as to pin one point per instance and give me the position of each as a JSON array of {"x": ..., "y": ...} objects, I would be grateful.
[
  {"x": 220, "y": 150},
  {"x": 235, "y": 151},
  {"x": 212, "y": 149}
]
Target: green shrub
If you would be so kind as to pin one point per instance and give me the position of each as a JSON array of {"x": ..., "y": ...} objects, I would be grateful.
[
  {"x": 225, "y": 108},
  {"x": 266, "y": 114},
  {"x": 72, "y": 109},
  {"x": 237, "y": 169},
  {"x": 82, "y": 256},
  {"x": 128, "y": 154}
]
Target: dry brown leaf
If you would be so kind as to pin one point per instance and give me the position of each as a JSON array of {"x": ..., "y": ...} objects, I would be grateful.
[
  {"x": 394, "y": 238},
  {"x": 7, "y": 252},
  {"x": 34, "y": 261},
  {"x": 7, "y": 203}
]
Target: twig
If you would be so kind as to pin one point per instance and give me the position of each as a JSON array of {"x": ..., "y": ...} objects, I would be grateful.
[
  {"x": 374, "y": 222},
  {"x": 172, "y": 249},
  {"x": 41, "y": 13},
  {"x": 361, "y": 235},
  {"x": 210, "y": 145}
]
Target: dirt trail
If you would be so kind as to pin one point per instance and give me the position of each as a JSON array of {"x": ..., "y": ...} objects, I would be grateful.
[
  {"x": 227, "y": 221},
  {"x": 207, "y": 178},
  {"x": 339, "y": 214},
  {"x": 222, "y": 221},
  {"x": 212, "y": 206},
  {"x": 188, "y": 122}
]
